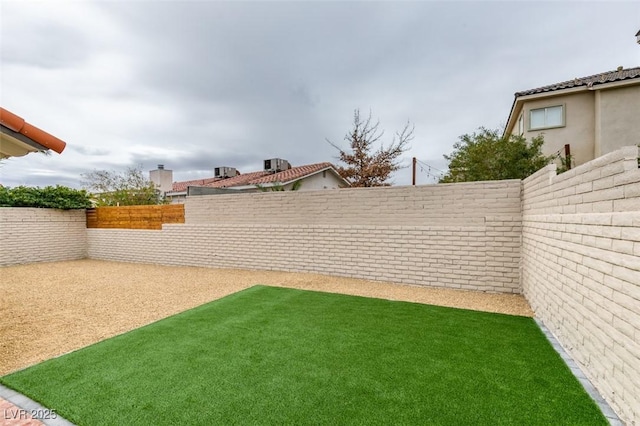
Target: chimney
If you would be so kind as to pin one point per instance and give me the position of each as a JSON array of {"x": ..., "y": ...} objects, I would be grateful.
[
  {"x": 638, "y": 37},
  {"x": 163, "y": 179}
]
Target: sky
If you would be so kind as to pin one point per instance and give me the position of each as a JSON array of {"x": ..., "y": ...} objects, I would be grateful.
[{"x": 195, "y": 85}]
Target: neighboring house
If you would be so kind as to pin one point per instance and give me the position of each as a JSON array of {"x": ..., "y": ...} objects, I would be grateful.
[
  {"x": 594, "y": 115},
  {"x": 18, "y": 138},
  {"x": 277, "y": 173}
]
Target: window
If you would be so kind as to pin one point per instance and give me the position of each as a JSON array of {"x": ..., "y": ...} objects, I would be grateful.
[{"x": 543, "y": 118}]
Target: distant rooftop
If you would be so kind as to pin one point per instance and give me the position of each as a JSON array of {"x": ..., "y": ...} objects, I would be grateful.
[
  {"x": 590, "y": 81},
  {"x": 255, "y": 178}
]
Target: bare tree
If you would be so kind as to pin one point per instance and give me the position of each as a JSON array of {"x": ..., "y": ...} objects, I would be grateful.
[
  {"x": 365, "y": 167},
  {"x": 129, "y": 188}
]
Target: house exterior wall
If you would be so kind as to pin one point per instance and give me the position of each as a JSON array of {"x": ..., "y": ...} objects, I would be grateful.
[
  {"x": 597, "y": 121},
  {"x": 579, "y": 128},
  {"x": 29, "y": 235},
  {"x": 177, "y": 199},
  {"x": 321, "y": 180},
  {"x": 581, "y": 269},
  {"x": 618, "y": 119},
  {"x": 464, "y": 236}
]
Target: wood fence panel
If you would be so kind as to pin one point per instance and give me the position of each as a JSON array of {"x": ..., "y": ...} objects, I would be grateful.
[{"x": 135, "y": 217}]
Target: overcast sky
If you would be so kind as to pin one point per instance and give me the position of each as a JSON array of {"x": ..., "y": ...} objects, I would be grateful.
[{"x": 199, "y": 84}]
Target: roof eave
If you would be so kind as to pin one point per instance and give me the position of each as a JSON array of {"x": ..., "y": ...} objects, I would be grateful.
[
  {"x": 324, "y": 169},
  {"x": 516, "y": 107},
  {"x": 17, "y": 124},
  {"x": 19, "y": 137}
]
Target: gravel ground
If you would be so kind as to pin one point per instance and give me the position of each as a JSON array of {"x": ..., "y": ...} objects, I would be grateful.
[{"x": 49, "y": 309}]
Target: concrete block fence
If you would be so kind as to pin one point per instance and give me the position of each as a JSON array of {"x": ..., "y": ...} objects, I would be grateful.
[
  {"x": 581, "y": 269},
  {"x": 30, "y": 235},
  {"x": 570, "y": 243},
  {"x": 464, "y": 236},
  {"x": 452, "y": 256}
]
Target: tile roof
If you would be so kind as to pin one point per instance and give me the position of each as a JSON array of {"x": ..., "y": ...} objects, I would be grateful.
[
  {"x": 240, "y": 180},
  {"x": 590, "y": 81},
  {"x": 292, "y": 174},
  {"x": 17, "y": 124},
  {"x": 182, "y": 186},
  {"x": 255, "y": 178}
]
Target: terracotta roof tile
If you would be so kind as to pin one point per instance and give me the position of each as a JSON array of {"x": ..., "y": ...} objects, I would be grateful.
[
  {"x": 593, "y": 80},
  {"x": 18, "y": 125},
  {"x": 254, "y": 178},
  {"x": 240, "y": 180},
  {"x": 292, "y": 174},
  {"x": 182, "y": 186}
]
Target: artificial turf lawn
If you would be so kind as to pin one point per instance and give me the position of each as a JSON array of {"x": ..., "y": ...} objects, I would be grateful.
[{"x": 275, "y": 355}]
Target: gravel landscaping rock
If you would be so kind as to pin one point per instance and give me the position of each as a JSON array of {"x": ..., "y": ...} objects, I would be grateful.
[{"x": 49, "y": 309}]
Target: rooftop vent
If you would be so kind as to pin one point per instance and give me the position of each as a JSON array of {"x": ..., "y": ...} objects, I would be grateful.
[
  {"x": 225, "y": 172},
  {"x": 160, "y": 166},
  {"x": 274, "y": 165}
]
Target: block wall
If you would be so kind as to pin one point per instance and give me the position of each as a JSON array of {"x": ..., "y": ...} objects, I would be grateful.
[
  {"x": 30, "y": 235},
  {"x": 581, "y": 268},
  {"x": 464, "y": 236}
]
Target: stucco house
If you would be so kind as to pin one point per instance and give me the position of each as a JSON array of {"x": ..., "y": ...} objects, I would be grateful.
[
  {"x": 18, "y": 138},
  {"x": 276, "y": 173},
  {"x": 595, "y": 115}
]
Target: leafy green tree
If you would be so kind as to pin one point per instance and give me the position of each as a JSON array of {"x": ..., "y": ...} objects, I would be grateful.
[
  {"x": 128, "y": 188},
  {"x": 365, "y": 167},
  {"x": 488, "y": 155}
]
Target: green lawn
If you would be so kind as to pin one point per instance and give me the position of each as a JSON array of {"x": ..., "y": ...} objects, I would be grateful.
[{"x": 271, "y": 355}]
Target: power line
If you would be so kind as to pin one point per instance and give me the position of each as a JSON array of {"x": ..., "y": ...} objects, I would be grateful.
[{"x": 430, "y": 171}]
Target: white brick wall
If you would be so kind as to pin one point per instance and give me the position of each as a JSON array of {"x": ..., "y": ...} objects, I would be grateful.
[
  {"x": 30, "y": 235},
  {"x": 464, "y": 236},
  {"x": 581, "y": 268},
  {"x": 570, "y": 242},
  {"x": 449, "y": 204}
]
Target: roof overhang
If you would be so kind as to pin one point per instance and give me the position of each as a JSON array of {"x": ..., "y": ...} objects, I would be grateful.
[
  {"x": 519, "y": 101},
  {"x": 19, "y": 138},
  {"x": 14, "y": 144}
]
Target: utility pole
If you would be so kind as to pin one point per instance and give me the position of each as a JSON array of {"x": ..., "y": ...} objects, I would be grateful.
[{"x": 414, "y": 171}]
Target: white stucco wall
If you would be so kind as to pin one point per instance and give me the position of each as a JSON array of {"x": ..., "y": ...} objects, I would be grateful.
[
  {"x": 619, "y": 119},
  {"x": 322, "y": 180},
  {"x": 579, "y": 128}
]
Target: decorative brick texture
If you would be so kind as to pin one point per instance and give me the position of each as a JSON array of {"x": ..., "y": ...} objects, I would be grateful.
[
  {"x": 30, "y": 235},
  {"x": 464, "y": 236},
  {"x": 581, "y": 269}
]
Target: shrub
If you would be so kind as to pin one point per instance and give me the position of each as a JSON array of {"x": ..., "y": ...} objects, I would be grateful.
[{"x": 58, "y": 197}]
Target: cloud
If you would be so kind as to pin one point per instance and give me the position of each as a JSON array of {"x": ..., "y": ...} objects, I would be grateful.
[{"x": 195, "y": 85}]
